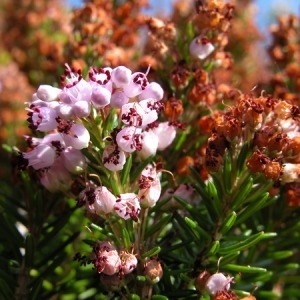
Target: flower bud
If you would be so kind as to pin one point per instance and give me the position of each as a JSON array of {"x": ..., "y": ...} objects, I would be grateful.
[
  {"x": 48, "y": 93},
  {"x": 121, "y": 76},
  {"x": 153, "y": 270},
  {"x": 100, "y": 96},
  {"x": 217, "y": 282}
]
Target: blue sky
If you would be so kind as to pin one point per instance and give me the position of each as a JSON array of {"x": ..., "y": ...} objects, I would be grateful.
[{"x": 267, "y": 9}]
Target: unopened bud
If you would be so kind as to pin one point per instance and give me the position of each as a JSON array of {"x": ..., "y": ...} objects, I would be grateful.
[{"x": 153, "y": 270}]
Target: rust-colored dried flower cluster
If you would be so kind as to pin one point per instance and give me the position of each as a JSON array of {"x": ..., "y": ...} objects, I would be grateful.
[
  {"x": 34, "y": 34},
  {"x": 285, "y": 55},
  {"x": 107, "y": 33},
  {"x": 271, "y": 127}
]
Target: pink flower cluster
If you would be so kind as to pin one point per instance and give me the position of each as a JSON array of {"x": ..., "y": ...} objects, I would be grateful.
[
  {"x": 109, "y": 261},
  {"x": 58, "y": 113},
  {"x": 101, "y": 201}
]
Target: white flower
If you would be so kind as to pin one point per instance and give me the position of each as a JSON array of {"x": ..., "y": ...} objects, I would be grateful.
[{"x": 201, "y": 47}]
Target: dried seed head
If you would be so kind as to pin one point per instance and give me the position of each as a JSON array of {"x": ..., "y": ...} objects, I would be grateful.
[
  {"x": 173, "y": 108},
  {"x": 257, "y": 162},
  {"x": 201, "y": 280},
  {"x": 273, "y": 170},
  {"x": 183, "y": 164}
]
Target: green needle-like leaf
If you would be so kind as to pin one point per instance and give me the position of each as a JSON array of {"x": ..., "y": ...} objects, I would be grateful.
[
  {"x": 228, "y": 223},
  {"x": 154, "y": 251},
  {"x": 246, "y": 243}
]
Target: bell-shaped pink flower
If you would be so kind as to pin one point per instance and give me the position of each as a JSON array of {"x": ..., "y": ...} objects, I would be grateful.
[
  {"x": 101, "y": 77},
  {"x": 153, "y": 90},
  {"x": 150, "y": 187},
  {"x": 42, "y": 118},
  {"x": 65, "y": 111},
  {"x": 138, "y": 83},
  {"x": 73, "y": 160},
  {"x": 104, "y": 201},
  {"x": 78, "y": 137},
  {"x": 78, "y": 90},
  {"x": 56, "y": 178},
  {"x": 81, "y": 108},
  {"x": 166, "y": 133},
  {"x": 142, "y": 113},
  {"x": 105, "y": 258},
  {"x": 42, "y": 156},
  {"x": 128, "y": 206},
  {"x": 201, "y": 47},
  {"x": 121, "y": 76},
  {"x": 118, "y": 99},
  {"x": 106, "y": 262},
  {"x": 149, "y": 144},
  {"x": 128, "y": 263},
  {"x": 129, "y": 139},
  {"x": 113, "y": 158}
]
